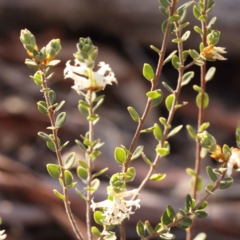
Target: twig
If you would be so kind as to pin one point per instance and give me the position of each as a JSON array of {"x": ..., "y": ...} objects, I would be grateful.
[
  {"x": 200, "y": 121},
  {"x": 59, "y": 158}
]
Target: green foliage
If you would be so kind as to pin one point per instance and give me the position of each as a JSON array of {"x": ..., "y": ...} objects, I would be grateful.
[
  {"x": 137, "y": 152},
  {"x": 120, "y": 155},
  {"x": 133, "y": 114},
  {"x": 148, "y": 72},
  {"x": 140, "y": 229}
]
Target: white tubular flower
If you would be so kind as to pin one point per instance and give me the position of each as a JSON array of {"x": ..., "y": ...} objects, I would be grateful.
[
  {"x": 117, "y": 209},
  {"x": 86, "y": 79},
  {"x": 234, "y": 160},
  {"x": 213, "y": 52},
  {"x": 2, "y": 235}
]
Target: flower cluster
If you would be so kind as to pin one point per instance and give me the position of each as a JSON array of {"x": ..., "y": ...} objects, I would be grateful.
[
  {"x": 86, "y": 79},
  {"x": 234, "y": 161},
  {"x": 116, "y": 208},
  {"x": 212, "y": 52}
]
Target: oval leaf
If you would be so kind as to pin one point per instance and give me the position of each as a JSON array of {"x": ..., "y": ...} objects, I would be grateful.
[
  {"x": 205, "y": 100},
  {"x": 137, "y": 152},
  {"x": 211, "y": 174},
  {"x": 54, "y": 170},
  {"x": 169, "y": 101},
  {"x": 187, "y": 78},
  {"x": 61, "y": 119},
  {"x": 70, "y": 160},
  {"x": 133, "y": 114},
  {"x": 158, "y": 176},
  {"x": 174, "y": 131},
  {"x": 148, "y": 72},
  {"x": 120, "y": 155}
]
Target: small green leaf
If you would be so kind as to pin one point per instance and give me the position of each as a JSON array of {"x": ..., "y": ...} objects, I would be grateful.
[
  {"x": 165, "y": 219},
  {"x": 59, "y": 106},
  {"x": 120, "y": 155},
  {"x": 191, "y": 172},
  {"x": 53, "y": 63},
  {"x": 37, "y": 78},
  {"x": 162, "y": 151},
  {"x": 196, "y": 12},
  {"x": 155, "y": 49},
  {"x": 44, "y": 136},
  {"x": 158, "y": 176},
  {"x": 175, "y": 62},
  {"x": 210, "y": 73},
  {"x": 52, "y": 96},
  {"x": 137, "y": 152},
  {"x": 174, "y": 131},
  {"x": 205, "y": 100},
  {"x": 191, "y": 132},
  {"x": 80, "y": 194},
  {"x": 187, "y": 78},
  {"x": 153, "y": 94},
  {"x": 211, "y": 174},
  {"x": 148, "y": 72},
  {"x": 70, "y": 160},
  {"x": 61, "y": 119},
  {"x": 98, "y": 217},
  {"x": 83, "y": 109},
  {"x": 167, "y": 87},
  {"x": 226, "y": 183},
  {"x": 188, "y": 203},
  {"x": 185, "y": 36},
  {"x": 54, "y": 170},
  {"x": 82, "y": 173},
  {"x": 157, "y": 132},
  {"x": 170, "y": 212},
  {"x": 200, "y": 214},
  {"x": 164, "y": 3},
  {"x": 203, "y": 205},
  {"x": 198, "y": 30},
  {"x": 80, "y": 145},
  {"x": 209, "y": 188},
  {"x": 169, "y": 101},
  {"x": 130, "y": 174},
  {"x": 95, "y": 183},
  {"x": 186, "y": 223},
  {"x": 170, "y": 56},
  {"x": 32, "y": 65},
  {"x": 92, "y": 117},
  {"x": 164, "y": 11},
  {"x": 204, "y": 126},
  {"x": 133, "y": 114},
  {"x": 100, "y": 172},
  {"x": 147, "y": 130},
  {"x": 158, "y": 100},
  {"x": 96, "y": 232},
  {"x": 51, "y": 146},
  {"x": 197, "y": 88},
  {"x": 98, "y": 104},
  {"x": 163, "y": 121},
  {"x": 146, "y": 160},
  {"x": 68, "y": 178},
  {"x": 59, "y": 195},
  {"x": 194, "y": 54},
  {"x": 42, "y": 107},
  {"x": 140, "y": 229}
]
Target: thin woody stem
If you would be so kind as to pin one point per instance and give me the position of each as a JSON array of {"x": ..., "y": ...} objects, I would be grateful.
[
  {"x": 59, "y": 158},
  {"x": 172, "y": 111},
  {"x": 198, "y": 159},
  {"x": 149, "y": 101},
  {"x": 89, "y": 162},
  {"x": 153, "y": 87}
]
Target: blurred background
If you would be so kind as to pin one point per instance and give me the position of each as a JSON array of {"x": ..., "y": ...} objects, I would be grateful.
[{"x": 123, "y": 31}]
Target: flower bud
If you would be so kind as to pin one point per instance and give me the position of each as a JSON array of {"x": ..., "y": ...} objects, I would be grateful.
[
  {"x": 207, "y": 141},
  {"x": 29, "y": 42},
  {"x": 213, "y": 37},
  {"x": 53, "y": 48}
]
